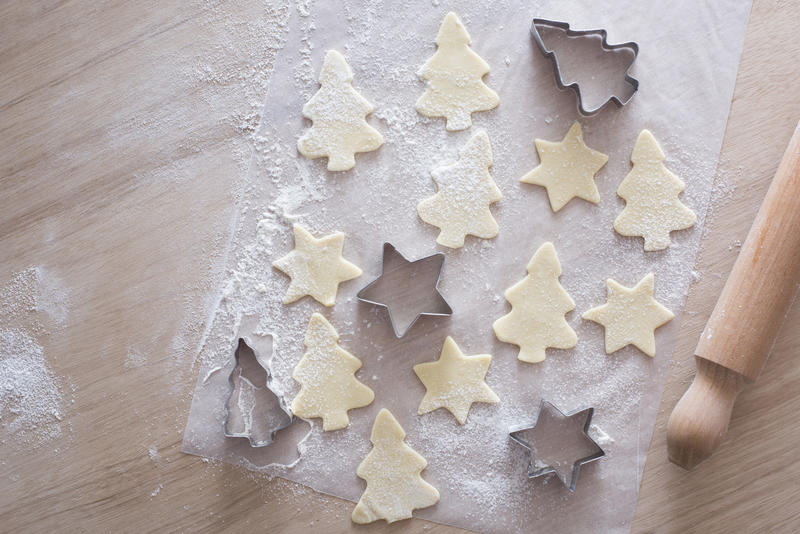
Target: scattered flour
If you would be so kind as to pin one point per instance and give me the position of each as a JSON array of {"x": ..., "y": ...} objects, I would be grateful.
[
  {"x": 600, "y": 436},
  {"x": 134, "y": 358},
  {"x": 31, "y": 398}
]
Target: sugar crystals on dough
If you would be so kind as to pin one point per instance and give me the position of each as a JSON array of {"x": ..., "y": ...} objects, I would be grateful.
[
  {"x": 327, "y": 375},
  {"x": 630, "y": 316},
  {"x": 455, "y": 381},
  {"x": 337, "y": 111},
  {"x": 460, "y": 206},
  {"x": 454, "y": 74},
  {"x": 316, "y": 267},
  {"x": 650, "y": 190},
  {"x": 392, "y": 470},
  {"x": 567, "y": 169},
  {"x": 538, "y": 304}
]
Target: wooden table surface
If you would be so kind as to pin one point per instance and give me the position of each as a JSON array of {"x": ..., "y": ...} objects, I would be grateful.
[{"x": 121, "y": 220}]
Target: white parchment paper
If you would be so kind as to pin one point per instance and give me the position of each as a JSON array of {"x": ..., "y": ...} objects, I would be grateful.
[{"x": 687, "y": 67}]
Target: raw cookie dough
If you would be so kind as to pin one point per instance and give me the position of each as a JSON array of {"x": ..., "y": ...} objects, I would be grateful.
[
  {"x": 630, "y": 316},
  {"x": 327, "y": 376},
  {"x": 464, "y": 192},
  {"x": 316, "y": 267},
  {"x": 337, "y": 111},
  {"x": 455, "y": 381},
  {"x": 392, "y": 471},
  {"x": 567, "y": 169},
  {"x": 455, "y": 89},
  {"x": 538, "y": 304},
  {"x": 650, "y": 190}
]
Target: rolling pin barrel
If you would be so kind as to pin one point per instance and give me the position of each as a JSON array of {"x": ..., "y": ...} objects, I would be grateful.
[{"x": 741, "y": 331}]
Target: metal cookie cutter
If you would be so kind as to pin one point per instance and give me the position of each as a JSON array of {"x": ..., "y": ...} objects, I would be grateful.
[
  {"x": 632, "y": 46},
  {"x": 558, "y": 443},
  {"x": 407, "y": 289},
  {"x": 253, "y": 410}
]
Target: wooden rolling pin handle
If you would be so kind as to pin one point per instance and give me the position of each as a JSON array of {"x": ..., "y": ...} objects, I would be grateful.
[{"x": 741, "y": 331}]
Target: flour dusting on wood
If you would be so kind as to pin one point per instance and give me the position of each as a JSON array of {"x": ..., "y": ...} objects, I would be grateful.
[{"x": 31, "y": 396}]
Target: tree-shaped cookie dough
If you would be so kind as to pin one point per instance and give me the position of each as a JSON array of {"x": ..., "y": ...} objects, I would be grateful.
[
  {"x": 538, "y": 305},
  {"x": 630, "y": 316},
  {"x": 455, "y": 381},
  {"x": 567, "y": 169},
  {"x": 465, "y": 190},
  {"x": 337, "y": 111},
  {"x": 327, "y": 376},
  {"x": 316, "y": 267},
  {"x": 392, "y": 471},
  {"x": 455, "y": 88},
  {"x": 650, "y": 190}
]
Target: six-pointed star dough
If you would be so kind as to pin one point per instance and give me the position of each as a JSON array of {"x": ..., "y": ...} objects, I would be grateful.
[
  {"x": 630, "y": 316},
  {"x": 455, "y": 381},
  {"x": 316, "y": 267},
  {"x": 567, "y": 169}
]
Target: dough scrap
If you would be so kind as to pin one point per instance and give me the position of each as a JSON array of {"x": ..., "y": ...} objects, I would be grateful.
[
  {"x": 630, "y": 316},
  {"x": 567, "y": 169},
  {"x": 327, "y": 376},
  {"x": 538, "y": 305},
  {"x": 650, "y": 190},
  {"x": 454, "y": 75},
  {"x": 465, "y": 190},
  {"x": 392, "y": 471},
  {"x": 316, "y": 267},
  {"x": 337, "y": 111},
  {"x": 455, "y": 381}
]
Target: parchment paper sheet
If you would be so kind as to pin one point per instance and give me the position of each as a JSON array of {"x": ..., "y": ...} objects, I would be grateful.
[{"x": 687, "y": 67}]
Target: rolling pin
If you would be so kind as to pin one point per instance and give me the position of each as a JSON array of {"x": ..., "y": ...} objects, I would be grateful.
[{"x": 741, "y": 331}]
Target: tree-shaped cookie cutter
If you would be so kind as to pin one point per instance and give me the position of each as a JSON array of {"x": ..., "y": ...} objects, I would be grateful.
[
  {"x": 575, "y": 87},
  {"x": 259, "y": 428}
]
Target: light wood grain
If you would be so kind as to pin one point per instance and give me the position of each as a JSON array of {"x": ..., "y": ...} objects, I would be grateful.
[
  {"x": 740, "y": 333},
  {"x": 73, "y": 201},
  {"x": 762, "y": 284},
  {"x": 750, "y": 483}
]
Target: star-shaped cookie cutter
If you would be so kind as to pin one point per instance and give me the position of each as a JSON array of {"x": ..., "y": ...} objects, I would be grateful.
[
  {"x": 575, "y": 87},
  {"x": 397, "y": 284},
  {"x": 540, "y": 464},
  {"x": 278, "y": 415}
]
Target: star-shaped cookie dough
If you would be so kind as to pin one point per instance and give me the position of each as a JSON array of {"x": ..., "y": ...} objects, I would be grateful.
[
  {"x": 316, "y": 267},
  {"x": 455, "y": 381},
  {"x": 567, "y": 169},
  {"x": 630, "y": 316}
]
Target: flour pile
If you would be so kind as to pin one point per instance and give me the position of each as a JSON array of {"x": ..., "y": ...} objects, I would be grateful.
[{"x": 31, "y": 398}]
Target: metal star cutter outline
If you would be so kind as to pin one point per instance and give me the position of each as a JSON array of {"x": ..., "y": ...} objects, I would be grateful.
[
  {"x": 550, "y": 453},
  {"x": 407, "y": 289}
]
